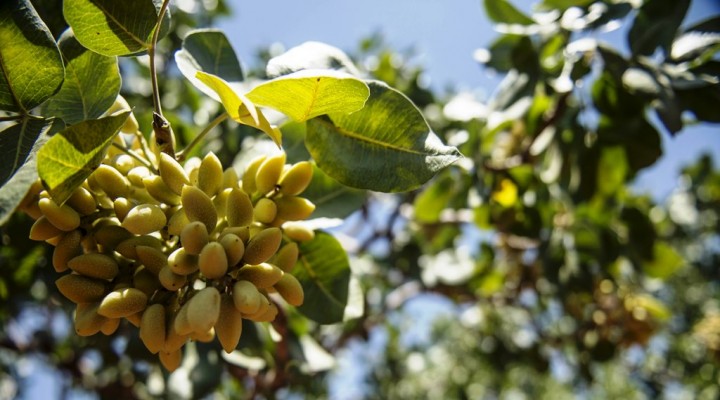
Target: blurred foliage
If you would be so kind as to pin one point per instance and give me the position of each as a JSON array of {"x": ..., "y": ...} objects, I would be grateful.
[{"x": 529, "y": 269}]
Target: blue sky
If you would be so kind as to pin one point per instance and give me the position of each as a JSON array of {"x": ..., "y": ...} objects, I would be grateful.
[{"x": 445, "y": 33}]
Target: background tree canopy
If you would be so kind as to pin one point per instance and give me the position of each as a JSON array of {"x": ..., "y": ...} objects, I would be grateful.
[{"x": 527, "y": 268}]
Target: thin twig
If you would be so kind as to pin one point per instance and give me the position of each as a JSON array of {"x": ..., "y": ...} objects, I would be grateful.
[
  {"x": 183, "y": 153},
  {"x": 133, "y": 155},
  {"x": 163, "y": 133},
  {"x": 11, "y": 118}
]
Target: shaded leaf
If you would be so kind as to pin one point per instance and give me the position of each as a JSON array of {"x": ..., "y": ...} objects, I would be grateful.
[
  {"x": 702, "y": 102},
  {"x": 324, "y": 273},
  {"x": 655, "y": 26},
  {"x": 309, "y": 93},
  {"x": 612, "y": 99},
  {"x": 665, "y": 261},
  {"x": 502, "y": 11},
  {"x": 112, "y": 28},
  {"x": 31, "y": 68},
  {"x": 71, "y": 155},
  {"x": 310, "y": 55},
  {"x": 393, "y": 149},
  {"x": 239, "y": 107},
  {"x": 91, "y": 85},
  {"x": 23, "y": 141},
  {"x": 432, "y": 201},
  {"x": 641, "y": 140},
  {"x": 331, "y": 198},
  {"x": 612, "y": 170},
  {"x": 208, "y": 50}
]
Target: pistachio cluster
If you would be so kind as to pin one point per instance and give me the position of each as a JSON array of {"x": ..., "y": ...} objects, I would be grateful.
[{"x": 182, "y": 252}]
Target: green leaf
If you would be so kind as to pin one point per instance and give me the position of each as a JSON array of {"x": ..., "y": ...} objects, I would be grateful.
[
  {"x": 665, "y": 262},
  {"x": 239, "y": 107},
  {"x": 387, "y": 146},
  {"x": 31, "y": 69},
  {"x": 309, "y": 93},
  {"x": 641, "y": 140},
  {"x": 22, "y": 141},
  {"x": 432, "y": 201},
  {"x": 91, "y": 85},
  {"x": 310, "y": 55},
  {"x": 502, "y": 11},
  {"x": 331, "y": 198},
  {"x": 564, "y": 4},
  {"x": 612, "y": 170},
  {"x": 208, "y": 50},
  {"x": 70, "y": 156},
  {"x": 110, "y": 27},
  {"x": 655, "y": 26},
  {"x": 612, "y": 99},
  {"x": 323, "y": 270}
]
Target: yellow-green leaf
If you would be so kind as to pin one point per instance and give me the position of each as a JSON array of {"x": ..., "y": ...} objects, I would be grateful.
[
  {"x": 239, "y": 107},
  {"x": 309, "y": 93},
  {"x": 70, "y": 156}
]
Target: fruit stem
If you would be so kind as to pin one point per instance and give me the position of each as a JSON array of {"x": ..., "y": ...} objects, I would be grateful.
[
  {"x": 163, "y": 132},
  {"x": 132, "y": 154},
  {"x": 196, "y": 140}
]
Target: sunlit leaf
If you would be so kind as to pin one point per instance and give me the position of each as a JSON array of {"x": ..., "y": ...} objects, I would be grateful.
[
  {"x": 31, "y": 68},
  {"x": 110, "y": 27},
  {"x": 208, "y": 50},
  {"x": 324, "y": 273},
  {"x": 91, "y": 84},
  {"x": 310, "y": 55},
  {"x": 387, "y": 146},
  {"x": 71, "y": 155},
  {"x": 239, "y": 107},
  {"x": 502, "y": 11},
  {"x": 309, "y": 93}
]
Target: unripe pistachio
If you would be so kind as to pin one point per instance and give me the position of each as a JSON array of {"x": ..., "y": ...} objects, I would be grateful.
[
  {"x": 204, "y": 309},
  {"x": 170, "y": 280},
  {"x": 290, "y": 289},
  {"x": 144, "y": 219},
  {"x": 152, "y": 328},
  {"x": 298, "y": 232},
  {"x": 172, "y": 173},
  {"x": 111, "y": 181},
  {"x": 123, "y": 163},
  {"x": 246, "y": 297},
  {"x": 294, "y": 208},
  {"x": 234, "y": 248},
  {"x": 121, "y": 303},
  {"x": 152, "y": 258},
  {"x": 262, "y": 275},
  {"x": 94, "y": 265},
  {"x": 296, "y": 179},
  {"x": 81, "y": 289},
  {"x": 109, "y": 236},
  {"x": 128, "y": 247},
  {"x": 230, "y": 179},
  {"x": 157, "y": 188},
  {"x": 212, "y": 261},
  {"x": 43, "y": 229},
  {"x": 87, "y": 321},
  {"x": 286, "y": 257},
  {"x": 67, "y": 248},
  {"x": 267, "y": 314},
  {"x": 199, "y": 207},
  {"x": 177, "y": 222},
  {"x": 210, "y": 174},
  {"x": 265, "y": 211},
  {"x": 248, "y": 179},
  {"x": 262, "y": 246},
  {"x": 239, "y": 208},
  {"x": 82, "y": 201},
  {"x": 63, "y": 217},
  {"x": 268, "y": 173},
  {"x": 194, "y": 237},
  {"x": 146, "y": 281},
  {"x": 137, "y": 174},
  {"x": 173, "y": 340},
  {"x": 110, "y": 326},
  {"x": 182, "y": 263},
  {"x": 122, "y": 207},
  {"x": 229, "y": 325},
  {"x": 171, "y": 361}
]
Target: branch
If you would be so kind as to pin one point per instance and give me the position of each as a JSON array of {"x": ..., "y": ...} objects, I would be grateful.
[{"x": 163, "y": 133}]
